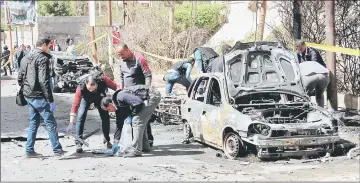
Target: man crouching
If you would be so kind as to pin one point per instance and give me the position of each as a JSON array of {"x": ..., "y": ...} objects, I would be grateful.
[{"x": 142, "y": 101}]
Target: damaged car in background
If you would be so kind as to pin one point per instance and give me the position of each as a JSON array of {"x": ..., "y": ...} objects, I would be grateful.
[
  {"x": 67, "y": 69},
  {"x": 257, "y": 105}
]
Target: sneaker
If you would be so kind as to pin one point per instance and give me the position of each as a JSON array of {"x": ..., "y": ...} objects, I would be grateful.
[
  {"x": 108, "y": 145},
  {"x": 132, "y": 154},
  {"x": 79, "y": 148},
  {"x": 59, "y": 154},
  {"x": 32, "y": 155}
]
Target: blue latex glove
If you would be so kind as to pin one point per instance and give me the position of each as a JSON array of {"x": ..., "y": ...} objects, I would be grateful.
[
  {"x": 69, "y": 128},
  {"x": 52, "y": 106},
  {"x": 129, "y": 120}
]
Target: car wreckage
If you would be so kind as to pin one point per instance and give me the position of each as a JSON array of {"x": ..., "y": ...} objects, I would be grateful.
[
  {"x": 67, "y": 69},
  {"x": 257, "y": 105}
]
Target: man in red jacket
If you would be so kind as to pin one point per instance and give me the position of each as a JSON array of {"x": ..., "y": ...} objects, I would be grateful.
[{"x": 91, "y": 90}]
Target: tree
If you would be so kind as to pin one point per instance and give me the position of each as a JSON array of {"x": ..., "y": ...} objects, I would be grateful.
[{"x": 54, "y": 8}]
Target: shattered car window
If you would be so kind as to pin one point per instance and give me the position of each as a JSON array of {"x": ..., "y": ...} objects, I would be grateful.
[
  {"x": 235, "y": 69},
  {"x": 288, "y": 69},
  {"x": 200, "y": 89}
]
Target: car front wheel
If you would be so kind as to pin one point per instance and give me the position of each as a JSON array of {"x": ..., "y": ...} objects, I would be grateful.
[{"x": 233, "y": 145}]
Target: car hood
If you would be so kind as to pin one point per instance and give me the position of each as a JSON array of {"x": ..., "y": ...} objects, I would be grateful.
[{"x": 262, "y": 68}]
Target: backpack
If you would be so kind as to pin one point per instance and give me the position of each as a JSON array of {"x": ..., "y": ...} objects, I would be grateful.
[{"x": 141, "y": 91}]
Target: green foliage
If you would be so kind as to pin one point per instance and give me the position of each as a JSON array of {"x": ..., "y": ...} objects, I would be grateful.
[
  {"x": 250, "y": 37},
  {"x": 55, "y": 8},
  {"x": 207, "y": 16}
]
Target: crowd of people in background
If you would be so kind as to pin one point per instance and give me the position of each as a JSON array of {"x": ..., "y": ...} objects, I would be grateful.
[{"x": 20, "y": 51}]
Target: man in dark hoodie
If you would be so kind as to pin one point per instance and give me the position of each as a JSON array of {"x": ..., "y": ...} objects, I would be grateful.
[
  {"x": 34, "y": 76},
  {"x": 5, "y": 57},
  {"x": 131, "y": 102}
]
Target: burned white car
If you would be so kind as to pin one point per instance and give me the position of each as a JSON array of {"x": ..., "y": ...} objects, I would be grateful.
[
  {"x": 67, "y": 69},
  {"x": 258, "y": 104}
]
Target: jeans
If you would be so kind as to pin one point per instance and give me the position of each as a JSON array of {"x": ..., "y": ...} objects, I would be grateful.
[
  {"x": 174, "y": 77},
  {"x": 81, "y": 118},
  {"x": 139, "y": 123},
  {"x": 40, "y": 108}
]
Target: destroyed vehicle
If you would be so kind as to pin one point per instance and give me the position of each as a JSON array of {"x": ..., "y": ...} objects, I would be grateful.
[
  {"x": 257, "y": 105},
  {"x": 67, "y": 69}
]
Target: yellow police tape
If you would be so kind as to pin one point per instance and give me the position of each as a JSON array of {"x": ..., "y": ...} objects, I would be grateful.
[
  {"x": 336, "y": 49},
  {"x": 81, "y": 45}
]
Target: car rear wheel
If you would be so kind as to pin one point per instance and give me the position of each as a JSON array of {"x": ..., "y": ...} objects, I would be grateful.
[
  {"x": 233, "y": 145},
  {"x": 187, "y": 130}
]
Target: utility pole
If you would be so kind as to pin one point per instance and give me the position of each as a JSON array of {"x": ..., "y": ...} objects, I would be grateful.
[
  {"x": 171, "y": 18},
  {"x": 99, "y": 7},
  {"x": 262, "y": 20},
  {"x": 126, "y": 18},
  {"x": 7, "y": 19},
  {"x": 92, "y": 15},
  {"x": 330, "y": 56},
  {"x": 296, "y": 21},
  {"x": 110, "y": 32}
]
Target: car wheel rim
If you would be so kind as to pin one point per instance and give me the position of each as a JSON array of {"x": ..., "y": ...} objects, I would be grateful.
[{"x": 232, "y": 145}]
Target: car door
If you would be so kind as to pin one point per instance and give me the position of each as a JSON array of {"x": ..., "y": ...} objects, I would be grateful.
[
  {"x": 194, "y": 106},
  {"x": 211, "y": 119}
]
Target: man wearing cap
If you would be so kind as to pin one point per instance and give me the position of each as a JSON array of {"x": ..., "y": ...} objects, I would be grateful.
[{"x": 306, "y": 53}]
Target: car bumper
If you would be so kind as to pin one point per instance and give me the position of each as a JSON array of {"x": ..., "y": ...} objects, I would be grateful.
[
  {"x": 296, "y": 141},
  {"x": 294, "y": 146}
]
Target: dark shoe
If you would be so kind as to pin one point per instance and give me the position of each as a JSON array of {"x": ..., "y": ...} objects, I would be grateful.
[
  {"x": 79, "y": 148},
  {"x": 32, "y": 155},
  {"x": 151, "y": 143},
  {"x": 108, "y": 145},
  {"x": 146, "y": 150}
]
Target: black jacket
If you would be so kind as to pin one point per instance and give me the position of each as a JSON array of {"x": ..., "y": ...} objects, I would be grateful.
[
  {"x": 311, "y": 54},
  {"x": 36, "y": 82}
]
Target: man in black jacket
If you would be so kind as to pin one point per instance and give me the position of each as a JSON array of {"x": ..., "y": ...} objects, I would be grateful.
[
  {"x": 34, "y": 77},
  {"x": 307, "y": 53},
  {"x": 131, "y": 102}
]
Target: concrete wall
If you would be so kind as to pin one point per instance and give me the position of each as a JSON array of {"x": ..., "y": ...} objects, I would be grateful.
[
  {"x": 59, "y": 27},
  {"x": 56, "y": 27}
]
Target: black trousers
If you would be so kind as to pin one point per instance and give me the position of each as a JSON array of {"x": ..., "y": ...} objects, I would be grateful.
[
  {"x": 121, "y": 115},
  {"x": 9, "y": 67}
]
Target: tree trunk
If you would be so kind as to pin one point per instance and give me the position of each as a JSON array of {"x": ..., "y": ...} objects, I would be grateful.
[{"x": 171, "y": 21}]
